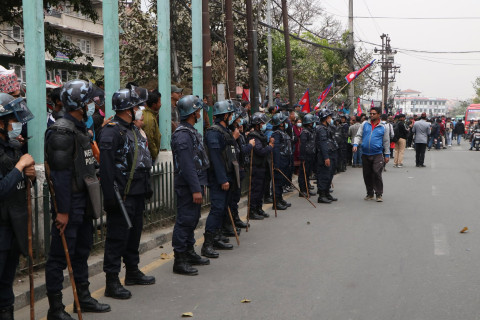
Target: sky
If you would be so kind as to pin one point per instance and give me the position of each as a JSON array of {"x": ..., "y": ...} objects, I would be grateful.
[{"x": 449, "y": 76}]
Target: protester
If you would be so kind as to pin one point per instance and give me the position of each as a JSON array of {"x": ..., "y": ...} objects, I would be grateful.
[
  {"x": 422, "y": 130},
  {"x": 352, "y": 132},
  {"x": 151, "y": 128},
  {"x": 401, "y": 134}
]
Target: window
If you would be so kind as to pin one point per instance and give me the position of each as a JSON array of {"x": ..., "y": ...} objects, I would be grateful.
[
  {"x": 84, "y": 45},
  {"x": 17, "y": 33},
  {"x": 68, "y": 38}
]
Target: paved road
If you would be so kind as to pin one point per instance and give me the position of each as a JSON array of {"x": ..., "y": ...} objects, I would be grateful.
[{"x": 401, "y": 259}]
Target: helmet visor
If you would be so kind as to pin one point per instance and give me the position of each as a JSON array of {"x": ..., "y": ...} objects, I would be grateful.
[
  {"x": 138, "y": 95},
  {"x": 20, "y": 110}
]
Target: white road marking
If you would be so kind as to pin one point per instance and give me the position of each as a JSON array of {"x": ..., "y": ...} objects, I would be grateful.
[{"x": 440, "y": 242}]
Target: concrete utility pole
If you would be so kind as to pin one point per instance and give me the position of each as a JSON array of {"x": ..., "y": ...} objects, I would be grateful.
[
  {"x": 351, "y": 54},
  {"x": 252, "y": 57},
  {"x": 197, "y": 57},
  {"x": 387, "y": 67},
  {"x": 164, "y": 76},
  {"x": 291, "y": 89},
  {"x": 207, "y": 56},
  {"x": 35, "y": 65},
  {"x": 230, "y": 50},
  {"x": 111, "y": 52},
  {"x": 269, "y": 38}
]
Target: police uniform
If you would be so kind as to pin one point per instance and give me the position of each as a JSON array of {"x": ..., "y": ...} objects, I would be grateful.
[
  {"x": 326, "y": 148},
  {"x": 221, "y": 151},
  {"x": 13, "y": 223},
  {"x": 123, "y": 152},
  {"x": 282, "y": 156},
  {"x": 307, "y": 157},
  {"x": 190, "y": 177},
  {"x": 69, "y": 155}
]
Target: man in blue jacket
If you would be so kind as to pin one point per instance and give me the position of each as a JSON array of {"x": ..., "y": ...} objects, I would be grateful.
[{"x": 375, "y": 140}]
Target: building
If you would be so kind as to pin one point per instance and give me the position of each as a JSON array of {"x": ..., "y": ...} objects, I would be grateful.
[
  {"x": 411, "y": 102},
  {"x": 76, "y": 28}
]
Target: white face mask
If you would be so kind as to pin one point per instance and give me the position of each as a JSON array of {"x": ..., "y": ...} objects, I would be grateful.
[
  {"x": 16, "y": 130},
  {"x": 299, "y": 125},
  {"x": 138, "y": 115},
  {"x": 90, "y": 109}
]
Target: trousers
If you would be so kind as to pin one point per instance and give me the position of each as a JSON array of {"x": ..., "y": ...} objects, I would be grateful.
[
  {"x": 325, "y": 174},
  {"x": 9, "y": 256},
  {"x": 372, "y": 173},
  {"x": 188, "y": 215},
  {"x": 258, "y": 183},
  {"x": 301, "y": 175},
  {"x": 420, "y": 153},
  {"x": 399, "y": 150},
  {"x": 218, "y": 207},
  {"x": 122, "y": 242}
]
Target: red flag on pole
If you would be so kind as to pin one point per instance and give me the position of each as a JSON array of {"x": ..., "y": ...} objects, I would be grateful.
[
  {"x": 359, "y": 107},
  {"x": 324, "y": 93},
  {"x": 373, "y": 104},
  {"x": 245, "y": 95},
  {"x": 305, "y": 102},
  {"x": 354, "y": 74}
]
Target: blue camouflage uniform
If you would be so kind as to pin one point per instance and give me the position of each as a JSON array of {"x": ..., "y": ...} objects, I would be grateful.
[
  {"x": 326, "y": 148},
  {"x": 282, "y": 157}
]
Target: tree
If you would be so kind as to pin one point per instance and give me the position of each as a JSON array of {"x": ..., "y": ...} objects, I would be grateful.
[{"x": 476, "y": 86}]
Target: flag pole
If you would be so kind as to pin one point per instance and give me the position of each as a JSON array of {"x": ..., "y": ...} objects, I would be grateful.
[{"x": 337, "y": 93}]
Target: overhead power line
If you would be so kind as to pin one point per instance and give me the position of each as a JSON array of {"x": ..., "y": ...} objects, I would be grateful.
[
  {"x": 419, "y": 18},
  {"x": 422, "y": 51}
]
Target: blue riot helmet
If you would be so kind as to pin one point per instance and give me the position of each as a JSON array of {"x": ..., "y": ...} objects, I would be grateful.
[
  {"x": 259, "y": 117},
  {"x": 75, "y": 94},
  {"x": 188, "y": 105},
  {"x": 308, "y": 119},
  {"x": 121, "y": 100},
  {"x": 138, "y": 95},
  {"x": 222, "y": 107},
  {"x": 278, "y": 119},
  {"x": 325, "y": 113}
]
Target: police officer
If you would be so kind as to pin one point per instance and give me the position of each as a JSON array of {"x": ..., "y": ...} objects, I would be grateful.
[
  {"x": 70, "y": 158},
  {"x": 282, "y": 157},
  {"x": 190, "y": 181},
  {"x": 342, "y": 129},
  {"x": 326, "y": 157},
  {"x": 223, "y": 176},
  {"x": 15, "y": 168},
  {"x": 125, "y": 162},
  {"x": 261, "y": 153},
  {"x": 307, "y": 153}
]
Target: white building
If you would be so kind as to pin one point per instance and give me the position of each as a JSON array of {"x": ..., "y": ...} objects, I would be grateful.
[
  {"x": 76, "y": 28},
  {"x": 411, "y": 102}
]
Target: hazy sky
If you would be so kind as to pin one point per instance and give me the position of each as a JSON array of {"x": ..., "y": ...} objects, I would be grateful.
[{"x": 435, "y": 75}]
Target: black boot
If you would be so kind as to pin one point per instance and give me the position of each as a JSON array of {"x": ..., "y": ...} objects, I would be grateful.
[
  {"x": 227, "y": 230},
  {"x": 268, "y": 199},
  {"x": 57, "y": 309},
  {"x": 330, "y": 197},
  {"x": 254, "y": 214},
  {"x": 181, "y": 265},
  {"x": 279, "y": 205},
  {"x": 6, "y": 313},
  {"x": 322, "y": 198},
  {"x": 285, "y": 203},
  {"x": 262, "y": 213},
  {"x": 114, "y": 288},
  {"x": 194, "y": 259},
  {"x": 134, "y": 276},
  {"x": 207, "y": 248},
  {"x": 238, "y": 222},
  {"x": 219, "y": 244},
  {"x": 302, "y": 193},
  {"x": 87, "y": 303}
]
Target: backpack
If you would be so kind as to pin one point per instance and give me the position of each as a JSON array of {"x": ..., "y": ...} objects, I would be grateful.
[{"x": 396, "y": 132}]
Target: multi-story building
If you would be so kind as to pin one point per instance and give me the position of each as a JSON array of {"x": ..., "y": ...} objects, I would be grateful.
[
  {"x": 411, "y": 102},
  {"x": 76, "y": 28}
]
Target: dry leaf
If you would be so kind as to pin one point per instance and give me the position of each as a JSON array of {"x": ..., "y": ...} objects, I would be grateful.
[
  {"x": 308, "y": 222},
  {"x": 464, "y": 230},
  {"x": 187, "y": 315},
  {"x": 245, "y": 301},
  {"x": 164, "y": 256}
]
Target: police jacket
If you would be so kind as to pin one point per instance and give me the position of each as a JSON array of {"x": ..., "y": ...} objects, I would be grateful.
[
  {"x": 245, "y": 149},
  {"x": 307, "y": 144},
  {"x": 221, "y": 152},
  {"x": 187, "y": 145},
  {"x": 262, "y": 150},
  {"x": 69, "y": 155},
  {"x": 13, "y": 200},
  {"x": 282, "y": 151},
  {"x": 117, "y": 160},
  {"x": 326, "y": 146}
]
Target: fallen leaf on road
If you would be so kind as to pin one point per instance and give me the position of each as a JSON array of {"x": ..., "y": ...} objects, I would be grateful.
[
  {"x": 187, "y": 315},
  {"x": 308, "y": 222},
  {"x": 164, "y": 256},
  {"x": 464, "y": 230},
  {"x": 245, "y": 301}
]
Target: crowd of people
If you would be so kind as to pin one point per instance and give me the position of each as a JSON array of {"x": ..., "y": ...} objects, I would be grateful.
[{"x": 84, "y": 148}]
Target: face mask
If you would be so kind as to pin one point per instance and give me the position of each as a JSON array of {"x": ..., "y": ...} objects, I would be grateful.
[
  {"x": 90, "y": 109},
  {"x": 264, "y": 127},
  {"x": 230, "y": 122},
  {"x": 241, "y": 122},
  {"x": 286, "y": 126},
  {"x": 16, "y": 130},
  {"x": 138, "y": 115},
  {"x": 299, "y": 125},
  {"x": 331, "y": 122}
]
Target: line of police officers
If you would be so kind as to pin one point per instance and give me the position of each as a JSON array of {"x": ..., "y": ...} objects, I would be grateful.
[{"x": 221, "y": 163}]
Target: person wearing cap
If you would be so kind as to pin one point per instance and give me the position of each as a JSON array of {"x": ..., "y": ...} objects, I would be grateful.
[
  {"x": 15, "y": 169},
  {"x": 191, "y": 164},
  {"x": 176, "y": 94},
  {"x": 125, "y": 165}
]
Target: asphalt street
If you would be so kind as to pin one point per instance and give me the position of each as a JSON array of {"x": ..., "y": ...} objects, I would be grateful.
[{"x": 403, "y": 259}]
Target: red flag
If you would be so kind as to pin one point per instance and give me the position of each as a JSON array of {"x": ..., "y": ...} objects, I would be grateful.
[
  {"x": 372, "y": 105},
  {"x": 245, "y": 95},
  {"x": 324, "y": 93},
  {"x": 359, "y": 107},
  {"x": 305, "y": 102},
  {"x": 354, "y": 74}
]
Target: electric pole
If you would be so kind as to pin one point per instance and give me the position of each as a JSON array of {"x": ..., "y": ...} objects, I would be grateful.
[
  {"x": 269, "y": 38},
  {"x": 291, "y": 89},
  {"x": 230, "y": 50},
  {"x": 252, "y": 63},
  {"x": 388, "y": 67},
  {"x": 351, "y": 53}
]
